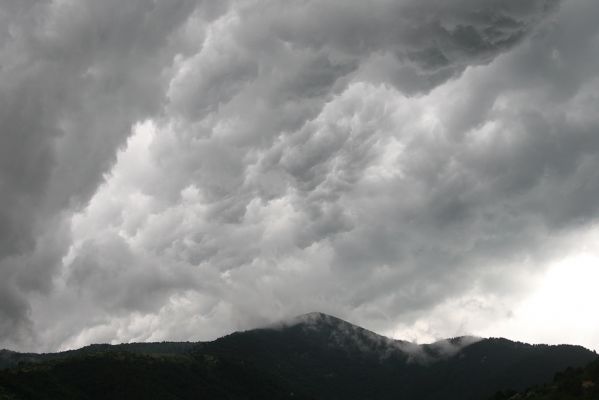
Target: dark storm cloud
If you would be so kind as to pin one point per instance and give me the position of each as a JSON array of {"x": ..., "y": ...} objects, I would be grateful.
[
  {"x": 366, "y": 159},
  {"x": 74, "y": 77},
  {"x": 497, "y": 184}
]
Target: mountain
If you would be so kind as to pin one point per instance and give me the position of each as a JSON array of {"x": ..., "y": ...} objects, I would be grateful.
[
  {"x": 314, "y": 356},
  {"x": 333, "y": 359}
]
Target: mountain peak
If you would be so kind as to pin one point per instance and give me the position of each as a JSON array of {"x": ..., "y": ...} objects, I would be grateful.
[
  {"x": 335, "y": 332},
  {"x": 339, "y": 333},
  {"x": 318, "y": 321},
  {"x": 316, "y": 317},
  {"x": 316, "y": 314}
]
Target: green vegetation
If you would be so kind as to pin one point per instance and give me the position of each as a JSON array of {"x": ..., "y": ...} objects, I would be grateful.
[
  {"x": 9, "y": 359},
  {"x": 570, "y": 384},
  {"x": 111, "y": 375}
]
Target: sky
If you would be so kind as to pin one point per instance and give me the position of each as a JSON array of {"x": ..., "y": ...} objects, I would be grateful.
[{"x": 178, "y": 170}]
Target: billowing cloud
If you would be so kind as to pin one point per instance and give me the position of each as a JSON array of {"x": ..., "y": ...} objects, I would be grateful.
[
  {"x": 178, "y": 171},
  {"x": 75, "y": 76}
]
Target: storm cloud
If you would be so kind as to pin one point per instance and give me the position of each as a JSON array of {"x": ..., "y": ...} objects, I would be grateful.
[{"x": 177, "y": 170}]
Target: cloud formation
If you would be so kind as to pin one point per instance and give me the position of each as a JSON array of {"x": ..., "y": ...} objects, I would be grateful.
[{"x": 181, "y": 170}]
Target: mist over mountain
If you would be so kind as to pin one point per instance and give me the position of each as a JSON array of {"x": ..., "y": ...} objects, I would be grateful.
[{"x": 313, "y": 356}]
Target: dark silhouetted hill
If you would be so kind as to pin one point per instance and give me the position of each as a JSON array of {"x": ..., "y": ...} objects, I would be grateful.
[
  {"x": 314, "y": 356},
  {"x": 571, "y": 384}
]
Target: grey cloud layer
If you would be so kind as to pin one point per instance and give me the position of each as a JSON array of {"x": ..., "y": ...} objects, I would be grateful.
[
  {"x": 74, "y": 77},
  {"x": 370, "y": 160}
]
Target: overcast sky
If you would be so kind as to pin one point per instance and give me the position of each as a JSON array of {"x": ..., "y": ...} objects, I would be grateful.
[{"x": 177, "y": 170}]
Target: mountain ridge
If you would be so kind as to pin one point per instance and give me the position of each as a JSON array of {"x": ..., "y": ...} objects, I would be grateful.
[
  {"x": 307, "y": 321},
  {"x": 312, "y": 356}
]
